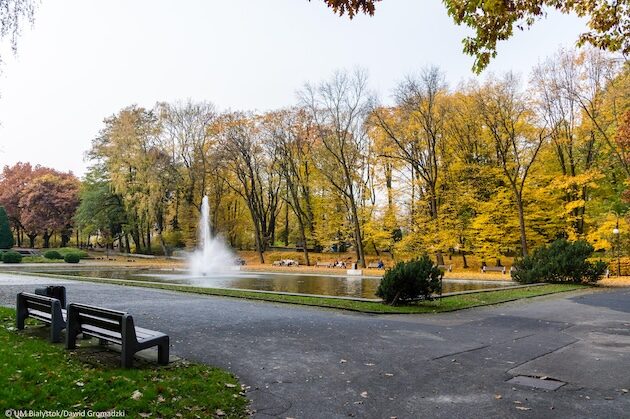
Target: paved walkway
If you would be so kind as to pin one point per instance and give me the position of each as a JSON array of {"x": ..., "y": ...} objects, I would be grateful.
[{"x": 311, "y": 363}]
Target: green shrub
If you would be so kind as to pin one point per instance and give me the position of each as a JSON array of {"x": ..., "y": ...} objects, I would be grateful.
[
  {"x": 65, "y": 250},
  {"x": 11, "y": 257},
  {"x": 406, "y": 281},
  {"x": 6, "y": 236},
  {"x": 560, "y": 261},
  {"x": 72, "y": 258},
  {"x": 53, "y": 254}
]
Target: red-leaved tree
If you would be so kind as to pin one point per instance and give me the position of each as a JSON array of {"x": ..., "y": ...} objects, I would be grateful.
[
  {"x": 48, "y": 204},
  {"x": 13, "y": 182}
]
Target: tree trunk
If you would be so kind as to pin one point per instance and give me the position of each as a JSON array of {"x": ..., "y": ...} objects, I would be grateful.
[
  {"x": 464, "y": 259},
  {"x": 46, "y": 236},
  {"x": 286, "y": 220},
  {"x": 149, "y": 251},
  {"x": 303, "y": 238},
  {"x": 521, "y": 223},
  {"x": 357, "y": 234},
  {"x": 31, "y": 239},
  {"x": 65, "y": 239}
]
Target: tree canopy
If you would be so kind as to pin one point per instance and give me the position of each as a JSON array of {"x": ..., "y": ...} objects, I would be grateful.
[{"x": 493, "y": 21}]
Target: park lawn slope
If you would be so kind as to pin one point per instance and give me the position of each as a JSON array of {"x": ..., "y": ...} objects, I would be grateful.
[{"x": 38, "y": 375}]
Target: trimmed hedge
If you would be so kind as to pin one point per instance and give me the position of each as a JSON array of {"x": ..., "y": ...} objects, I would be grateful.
[
  {"x": 72, "y": 258},
  {"x": 65, "y": 250},
  {"x": 11, "y": 257},
  {"x": 53, "y": 254}
]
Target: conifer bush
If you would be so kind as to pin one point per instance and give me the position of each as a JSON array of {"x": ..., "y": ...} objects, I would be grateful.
[
  {"x": 6, "y": 236},
  {"x": 417, "y": 279},
  {"x": 560, "y": 261}
]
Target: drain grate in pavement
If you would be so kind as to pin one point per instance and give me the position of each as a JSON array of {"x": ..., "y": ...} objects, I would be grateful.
[{"x": 546, "y": 384}]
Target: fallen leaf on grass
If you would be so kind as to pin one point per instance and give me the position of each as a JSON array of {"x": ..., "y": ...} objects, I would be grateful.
[
  {"x": 228, "y": 385},
  {"x": 144, "y": 415},
  {"x": 136, "y": 395},
  {"x": 219, "y": 412},
  {"x": 79, "y": 383}
]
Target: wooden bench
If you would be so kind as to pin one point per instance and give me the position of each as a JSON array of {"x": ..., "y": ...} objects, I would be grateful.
[
  {"x": 447, "y": 268},
  {"x": 375, "y": 265},
  {"x": 45, "y": 309},
  {"x": 115, "y": 327},
  {"x": 324, "y": 264},
  {"x": 493, "y": 269}
]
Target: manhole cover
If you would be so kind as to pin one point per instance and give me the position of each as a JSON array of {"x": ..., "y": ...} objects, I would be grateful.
[{"x": 546, "y": 384}]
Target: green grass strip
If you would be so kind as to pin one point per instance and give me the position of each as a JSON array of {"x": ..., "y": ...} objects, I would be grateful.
[
  {"x": 38, "y": 375},
  {"x": 445, "y": 304}
]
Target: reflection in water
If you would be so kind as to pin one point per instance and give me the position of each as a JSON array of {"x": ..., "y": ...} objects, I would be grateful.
[{"x": 364, "y": 287}]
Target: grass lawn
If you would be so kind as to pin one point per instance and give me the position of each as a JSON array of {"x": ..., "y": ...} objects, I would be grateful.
[
  {"x": 457, "y": 302},
  {"x": 38, "y": 375}
]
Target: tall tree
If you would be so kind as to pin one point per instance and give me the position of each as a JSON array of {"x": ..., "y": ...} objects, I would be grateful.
[
  {"x": 560, "y": 97},
  {"x": 291, "y": 133},
  {"x": 101, "y": 211},
  {"x": 339, "y": 107},
  {"x": 510, "y": 123},
  {"x": 418, "y": 135},
  {"x": 254, "y": 166}
]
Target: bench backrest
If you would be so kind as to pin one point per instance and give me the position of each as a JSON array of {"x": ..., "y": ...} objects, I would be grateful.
[
  {"x": 103, "y": 318},
  {"x": 39, "y": 302}
]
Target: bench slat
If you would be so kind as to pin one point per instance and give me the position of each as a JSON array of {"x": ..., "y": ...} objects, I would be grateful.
[
  {"x": 106, "y": 324},
  {"x": 100, "y": 311}
]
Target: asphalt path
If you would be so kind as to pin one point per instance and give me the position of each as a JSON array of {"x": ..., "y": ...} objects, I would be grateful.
[{"x": 302, "y": 362}]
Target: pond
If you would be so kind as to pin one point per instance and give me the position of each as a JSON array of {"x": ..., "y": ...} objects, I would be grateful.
[{"x": 315, "y": 284}]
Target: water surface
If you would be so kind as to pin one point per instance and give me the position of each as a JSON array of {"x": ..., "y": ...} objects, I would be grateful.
[{"x": 316, "y": 284}]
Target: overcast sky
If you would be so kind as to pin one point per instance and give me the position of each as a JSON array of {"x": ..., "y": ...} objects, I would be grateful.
[{"x": 85, "y": 60}]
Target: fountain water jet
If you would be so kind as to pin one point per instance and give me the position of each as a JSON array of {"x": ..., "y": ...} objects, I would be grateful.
[{"x": 212, "y": 256}]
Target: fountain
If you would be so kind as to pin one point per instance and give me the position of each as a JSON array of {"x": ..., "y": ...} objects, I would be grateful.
[{"x": 212, "y": 256}]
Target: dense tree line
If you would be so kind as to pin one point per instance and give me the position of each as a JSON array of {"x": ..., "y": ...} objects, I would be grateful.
[{"x": 489, "y": 168}]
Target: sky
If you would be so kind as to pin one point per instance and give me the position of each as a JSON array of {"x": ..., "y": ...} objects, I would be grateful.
[{"x": 83, "y": 61}]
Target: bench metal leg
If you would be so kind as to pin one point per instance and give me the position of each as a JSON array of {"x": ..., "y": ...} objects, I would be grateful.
[
  {"x": 21, "y": 313},
  {"x": 55, "y": 332},
  {"x": 73, "y": 328},
  {"x": 163, "y": 352},
  {"x": 126, "y": 356}
]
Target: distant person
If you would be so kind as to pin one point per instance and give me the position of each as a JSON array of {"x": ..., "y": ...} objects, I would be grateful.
[{"x": 380, "y": 265}]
